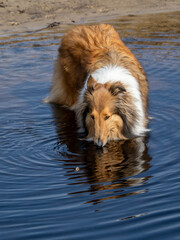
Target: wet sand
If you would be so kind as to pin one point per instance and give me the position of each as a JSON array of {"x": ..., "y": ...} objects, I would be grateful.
[{"x": 27, "y": 15}]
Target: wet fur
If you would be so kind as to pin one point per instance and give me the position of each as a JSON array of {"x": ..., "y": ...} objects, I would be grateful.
[{"x": 108, "y": 109}]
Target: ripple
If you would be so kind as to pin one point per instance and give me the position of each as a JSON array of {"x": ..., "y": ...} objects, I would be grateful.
[{"x": 56, "y": 186}]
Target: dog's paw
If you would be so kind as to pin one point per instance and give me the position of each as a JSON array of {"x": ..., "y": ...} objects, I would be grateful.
[{"x": 46, "y": 100}]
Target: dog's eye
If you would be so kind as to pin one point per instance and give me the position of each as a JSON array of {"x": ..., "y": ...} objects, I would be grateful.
[
  {"x": 92, "y": 116},
  {"x": 106, "y": 117}
]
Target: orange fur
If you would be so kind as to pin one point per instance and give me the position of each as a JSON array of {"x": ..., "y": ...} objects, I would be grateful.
[{"x": 84, "y": 50}]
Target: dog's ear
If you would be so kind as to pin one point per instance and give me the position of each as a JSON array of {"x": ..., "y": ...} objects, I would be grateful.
[
  {"x": 117, "y": 89},
  {"x": 91, "y": 81},
  {"x": 91, "y": 85}
]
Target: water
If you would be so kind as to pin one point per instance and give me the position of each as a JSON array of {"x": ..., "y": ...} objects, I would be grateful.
[{"x": 54, "y": 186}]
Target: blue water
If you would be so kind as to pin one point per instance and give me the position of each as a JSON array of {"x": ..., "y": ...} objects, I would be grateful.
[{"x": 54, "y": 186}]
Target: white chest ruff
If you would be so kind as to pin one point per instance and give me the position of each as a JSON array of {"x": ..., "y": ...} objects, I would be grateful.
[{"x": 119, "y": 74}]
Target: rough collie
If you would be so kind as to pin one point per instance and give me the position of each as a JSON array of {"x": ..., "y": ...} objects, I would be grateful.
[{"x": 99, "y": 78}]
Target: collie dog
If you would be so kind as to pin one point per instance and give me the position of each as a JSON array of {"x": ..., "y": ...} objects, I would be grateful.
[{"x": 99, "y": 78}]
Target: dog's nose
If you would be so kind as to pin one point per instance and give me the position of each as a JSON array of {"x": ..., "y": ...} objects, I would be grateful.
[{"x": 99, "y": 142}]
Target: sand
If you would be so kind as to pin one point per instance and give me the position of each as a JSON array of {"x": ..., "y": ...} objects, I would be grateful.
[{"x": 27, "y": 15}]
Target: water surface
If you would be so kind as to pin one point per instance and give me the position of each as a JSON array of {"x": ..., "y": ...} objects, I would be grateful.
[{"x": 54, "y": 186}]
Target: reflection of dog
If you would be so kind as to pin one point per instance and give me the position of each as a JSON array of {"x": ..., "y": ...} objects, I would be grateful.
[
  {"x": 115, "y": 166},
  {"x": 99, "y": 78}
]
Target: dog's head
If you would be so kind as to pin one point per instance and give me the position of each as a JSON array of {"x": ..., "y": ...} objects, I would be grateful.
[{"x": 107, "y": 113}]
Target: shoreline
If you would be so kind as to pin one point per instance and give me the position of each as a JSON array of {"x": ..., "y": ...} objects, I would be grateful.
[{"x": 32, "y": 15}]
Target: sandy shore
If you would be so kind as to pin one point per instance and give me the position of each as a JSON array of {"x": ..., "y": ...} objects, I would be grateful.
[{"x": 24, "y": 15}]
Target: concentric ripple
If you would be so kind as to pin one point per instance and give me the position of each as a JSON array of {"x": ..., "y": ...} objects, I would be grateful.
[{"x": 55, "y": 186}]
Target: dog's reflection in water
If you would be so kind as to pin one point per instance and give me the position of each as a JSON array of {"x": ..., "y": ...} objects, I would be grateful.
[{"x": 115, "y": 166}]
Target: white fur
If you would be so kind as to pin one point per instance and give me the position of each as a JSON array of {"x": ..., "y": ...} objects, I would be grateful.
[{"x": 113, "y": 74}]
